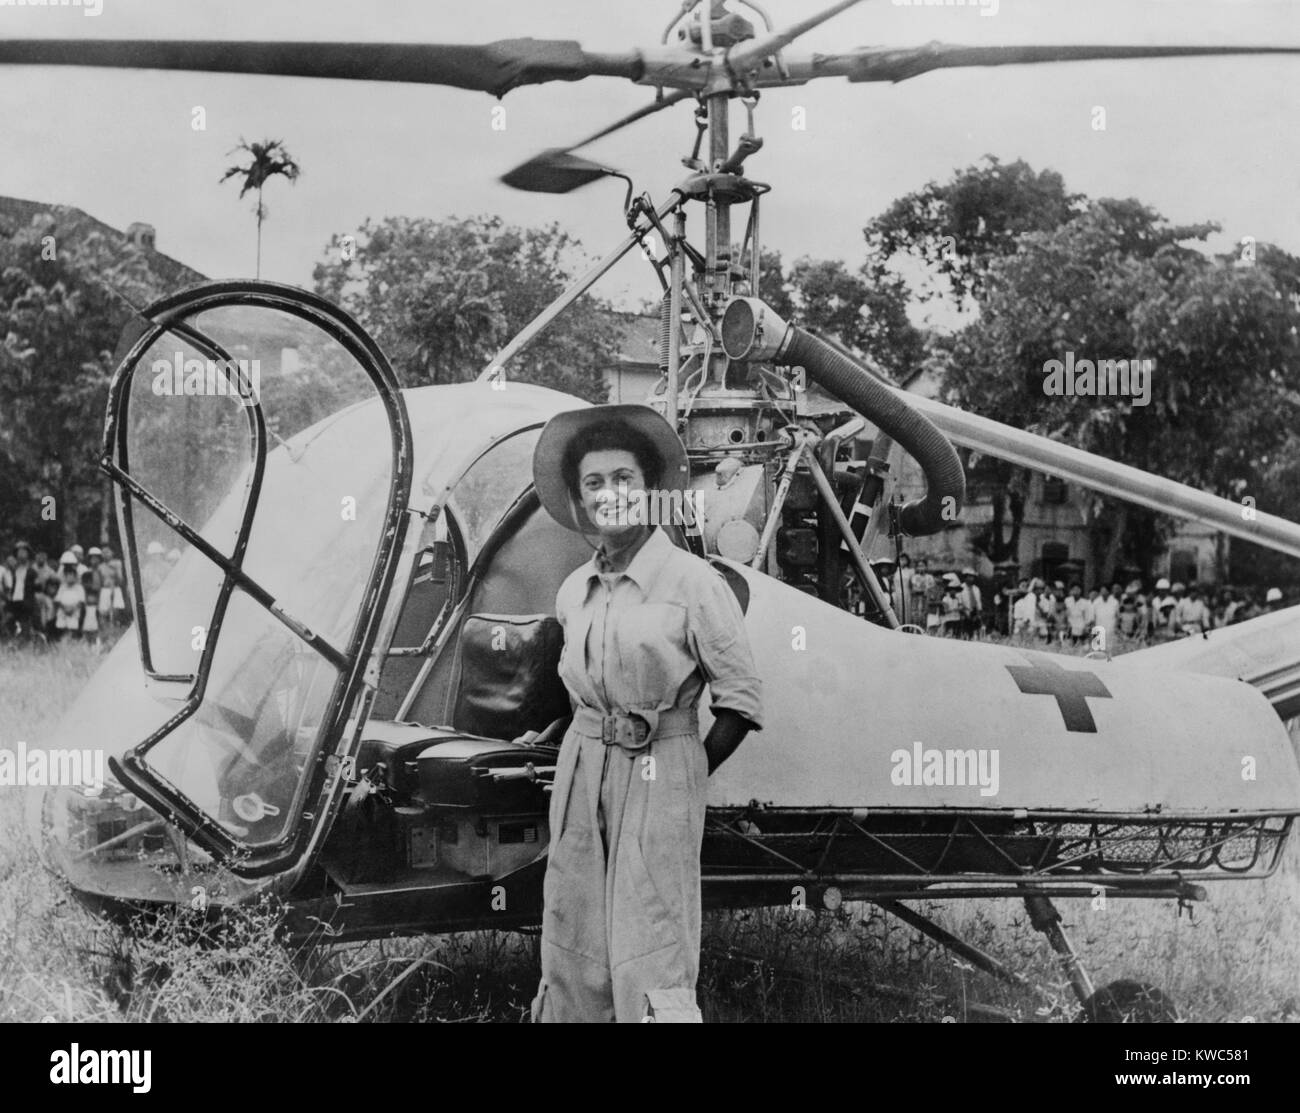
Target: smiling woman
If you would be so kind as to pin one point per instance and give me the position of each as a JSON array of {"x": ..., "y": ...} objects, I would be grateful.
[{"x": 646, "y": 626}]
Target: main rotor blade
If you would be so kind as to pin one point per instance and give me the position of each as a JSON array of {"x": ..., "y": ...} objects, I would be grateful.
[
  {"x": 889, "y": 64},
  {"x": 498, "y": 67},
  {"x": 495, "y": 67},
  {"x": 558, "y": 170}
]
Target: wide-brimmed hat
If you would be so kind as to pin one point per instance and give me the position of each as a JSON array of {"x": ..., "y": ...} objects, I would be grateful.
[
  {"x": 22, "y": 545},
  {"x": 548, "y": 456}
]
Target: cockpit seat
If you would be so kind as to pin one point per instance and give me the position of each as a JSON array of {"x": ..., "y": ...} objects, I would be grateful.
[{"x": 509, "y": 680}]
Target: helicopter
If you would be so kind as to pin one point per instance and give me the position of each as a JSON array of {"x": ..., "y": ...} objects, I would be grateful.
[{"x": 319, "y": 701}]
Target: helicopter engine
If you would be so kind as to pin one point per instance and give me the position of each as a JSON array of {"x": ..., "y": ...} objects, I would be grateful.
[{"x": 779, "y": 479}]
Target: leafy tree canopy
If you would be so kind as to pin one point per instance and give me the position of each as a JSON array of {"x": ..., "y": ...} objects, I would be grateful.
[{"x": 441, "y": 297}]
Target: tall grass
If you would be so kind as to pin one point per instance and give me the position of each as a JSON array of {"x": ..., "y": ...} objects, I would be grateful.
[{"x": 1235, "y": 956}]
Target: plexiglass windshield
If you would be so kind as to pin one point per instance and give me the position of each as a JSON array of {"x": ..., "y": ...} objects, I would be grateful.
[{"x": 313, "y": 540}]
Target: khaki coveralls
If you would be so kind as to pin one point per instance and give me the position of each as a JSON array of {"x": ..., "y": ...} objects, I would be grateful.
[{"x": 621, "y": 921}]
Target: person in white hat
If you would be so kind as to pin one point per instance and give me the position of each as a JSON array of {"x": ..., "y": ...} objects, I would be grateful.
[
  {"x": 1160, "y": 614},
  {"x": 70, "y": 599},
  {"x": 950, "y": 612},
  {"x": 646, "y": 626},
  {"x": 1272, "y": 600}
]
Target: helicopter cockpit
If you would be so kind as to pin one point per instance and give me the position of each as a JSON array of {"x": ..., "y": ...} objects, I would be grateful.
[{"x": 261, "y": 470}]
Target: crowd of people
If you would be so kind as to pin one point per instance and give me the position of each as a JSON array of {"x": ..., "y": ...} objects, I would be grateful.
[
  {"x": 77, "y": 598},
  {"x": 953, "y": 604},
  {"x": 84, "y": 594}
]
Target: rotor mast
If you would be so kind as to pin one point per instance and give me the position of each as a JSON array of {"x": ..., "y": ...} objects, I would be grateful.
[{"x": 717, "y": 220}]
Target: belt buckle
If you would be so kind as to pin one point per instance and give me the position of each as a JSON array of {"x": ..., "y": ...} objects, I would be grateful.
[{"x": 626, "y": 730}]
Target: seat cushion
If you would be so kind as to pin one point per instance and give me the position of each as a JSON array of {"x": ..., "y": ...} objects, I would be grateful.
[{"x": 509, "y": 674}]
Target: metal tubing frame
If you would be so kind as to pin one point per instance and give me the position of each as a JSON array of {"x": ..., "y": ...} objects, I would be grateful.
[
  {"x": 568, "y": 296},
  {"x": 981, "y": 959},
  {"x": 677, "y": 275},
  {"x": 868, "y": 578},
  {"x": 1164, "y": 874},
  {"x": 778, "y": 501}
]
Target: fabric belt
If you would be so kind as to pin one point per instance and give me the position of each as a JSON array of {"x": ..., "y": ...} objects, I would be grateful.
[{"x": 634, "y": 730}]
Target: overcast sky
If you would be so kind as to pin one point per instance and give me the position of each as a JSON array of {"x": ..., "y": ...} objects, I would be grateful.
[{"x": 1215, "y": 139}]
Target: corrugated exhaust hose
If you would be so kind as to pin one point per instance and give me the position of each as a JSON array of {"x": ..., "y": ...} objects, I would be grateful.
[
  {"x": 752, "y": 331},
  {"x": 917, "y": 434}
]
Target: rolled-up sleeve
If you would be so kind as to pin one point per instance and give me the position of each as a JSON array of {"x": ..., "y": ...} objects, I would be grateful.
[{"x": 716, "y": 628}]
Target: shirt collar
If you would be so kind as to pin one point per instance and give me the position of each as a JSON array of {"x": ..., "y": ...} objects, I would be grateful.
[{"x": 645, "y": 564}]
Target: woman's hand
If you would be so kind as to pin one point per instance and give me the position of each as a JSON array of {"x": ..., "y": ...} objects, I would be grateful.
[{"x": 544, "y": 736}]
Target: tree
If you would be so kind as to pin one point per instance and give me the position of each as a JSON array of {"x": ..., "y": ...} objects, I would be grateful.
[
  {"x": 266, "y": 160},
  {"x": 442, "y": 297},
  {"x": 958, "y": 229},
  {"x": 1279, "y": 493},
  {"x": 59, "y": 322},
  {"x": 1112, "y": 283},
  {"x": 866, "y": 313}
]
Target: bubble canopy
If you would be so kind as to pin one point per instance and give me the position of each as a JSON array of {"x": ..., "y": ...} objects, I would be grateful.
[{"x": 262, "y": 454}]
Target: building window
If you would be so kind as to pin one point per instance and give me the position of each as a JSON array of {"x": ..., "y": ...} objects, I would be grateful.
[
  {"x": 1182, "y": 565},
  {"x": 982, "y": 481},
  {"x": 1053, "y": 490},
  {"x": 1055, "y": 554}
]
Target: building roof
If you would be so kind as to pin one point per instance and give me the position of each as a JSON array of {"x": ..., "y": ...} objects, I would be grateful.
[
  {"x": 638, "y": 339},
  {"x": 17, "y": 213}
]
